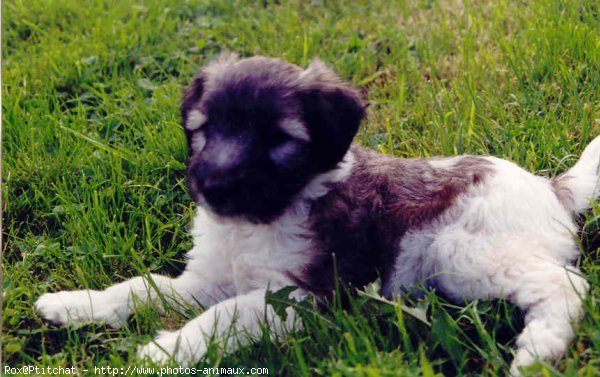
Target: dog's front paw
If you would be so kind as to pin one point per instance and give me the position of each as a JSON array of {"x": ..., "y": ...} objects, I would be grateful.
[
  {"x": 79, "y": 306},
  {"x": 173, "y": 347}
]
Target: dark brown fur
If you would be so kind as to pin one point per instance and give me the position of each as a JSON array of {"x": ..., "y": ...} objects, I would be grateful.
[{"x": 362, "y": 220}]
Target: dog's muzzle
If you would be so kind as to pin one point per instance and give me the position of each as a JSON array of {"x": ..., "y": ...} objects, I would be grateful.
[{"x": 220, "y": 189}]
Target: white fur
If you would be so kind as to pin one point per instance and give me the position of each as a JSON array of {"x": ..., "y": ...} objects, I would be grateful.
[
  {"x": 217, "y": 67},
  {"x": 195, "y": 120},
  {"x": 442, "y": 163},
  {"x": 295, "y": 128},
  {"x": 319, "y": 186},
  {"x": 319, "y": 72},
  {"x": 198, "y": 142}
]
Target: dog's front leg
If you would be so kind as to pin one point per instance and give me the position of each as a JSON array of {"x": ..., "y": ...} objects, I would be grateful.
[
  {"x": 116, "y": 303},
  {"x": 232, "y": 323}
]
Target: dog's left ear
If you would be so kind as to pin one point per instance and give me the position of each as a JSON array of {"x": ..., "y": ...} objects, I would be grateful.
[{"x": 332, "y": 112}]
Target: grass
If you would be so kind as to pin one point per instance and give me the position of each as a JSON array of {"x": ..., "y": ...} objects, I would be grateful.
[{"x": 94, "y": 158}]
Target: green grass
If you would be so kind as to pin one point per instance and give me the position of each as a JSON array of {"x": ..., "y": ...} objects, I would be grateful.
[{"x": 94, "y": 158}]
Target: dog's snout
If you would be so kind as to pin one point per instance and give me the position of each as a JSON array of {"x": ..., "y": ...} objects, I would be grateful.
[
  {"x": 215, "y": 183},
  {"x": 213, "y": 180}
]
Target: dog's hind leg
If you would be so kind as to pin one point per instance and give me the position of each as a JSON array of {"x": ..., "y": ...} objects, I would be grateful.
[
  {"x": 116, "y": 303},
  {"x": 523, "y": 271}
]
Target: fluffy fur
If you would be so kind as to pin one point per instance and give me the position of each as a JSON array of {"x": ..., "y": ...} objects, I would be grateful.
[{"x": 280, "y": 190}]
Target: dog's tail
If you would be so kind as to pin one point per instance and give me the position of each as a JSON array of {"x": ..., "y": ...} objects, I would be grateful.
[{"x": 580, "y": 184}]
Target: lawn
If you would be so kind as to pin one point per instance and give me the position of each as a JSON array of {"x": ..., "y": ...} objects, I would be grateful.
[{"x": 93, "y": 167}]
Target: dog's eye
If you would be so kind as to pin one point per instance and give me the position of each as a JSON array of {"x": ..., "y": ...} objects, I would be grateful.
[
  {"x": 284, "y": 152},
  {"x": 198, "y": 141}
]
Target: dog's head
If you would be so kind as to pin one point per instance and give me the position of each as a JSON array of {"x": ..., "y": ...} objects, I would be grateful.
[{"x": 259, "y": 129}]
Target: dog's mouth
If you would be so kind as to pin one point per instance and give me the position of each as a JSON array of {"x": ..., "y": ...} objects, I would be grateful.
[
  {"x": 255, "y": 196},
  {"x": 235, "y": 203},
  {"x": 221, "y": 203},
  {"x": 225, "y": 205}
]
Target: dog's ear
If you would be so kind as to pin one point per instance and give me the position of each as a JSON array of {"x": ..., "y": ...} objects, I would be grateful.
[
  {"x": 332, "y": 112},
  {"x": 212, "y": 70},
  {"x": 192, "y": 95}
]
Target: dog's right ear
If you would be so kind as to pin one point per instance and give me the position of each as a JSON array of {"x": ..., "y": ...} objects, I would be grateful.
[
  {"x": 212, "y": 70},
  {"x": 332, "y": 112},
  {"x": 192, "y": 95}
]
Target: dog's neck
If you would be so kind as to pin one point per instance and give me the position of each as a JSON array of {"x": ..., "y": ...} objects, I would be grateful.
[{"x": 321, "y": 184}]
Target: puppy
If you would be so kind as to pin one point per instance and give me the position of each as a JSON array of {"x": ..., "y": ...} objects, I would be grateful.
[{"x": 285, "y": 199}]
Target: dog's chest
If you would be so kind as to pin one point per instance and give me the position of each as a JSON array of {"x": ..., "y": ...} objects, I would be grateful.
[{"x": 257, "y": 255}]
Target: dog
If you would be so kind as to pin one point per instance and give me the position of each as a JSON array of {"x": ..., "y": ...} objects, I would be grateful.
[{"x": 284, "y": 198}]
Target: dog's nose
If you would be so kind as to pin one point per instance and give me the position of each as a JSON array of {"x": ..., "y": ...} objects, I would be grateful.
[
  {"x": 214, "y": 183},
  {"x": 209, "y": 180}
]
